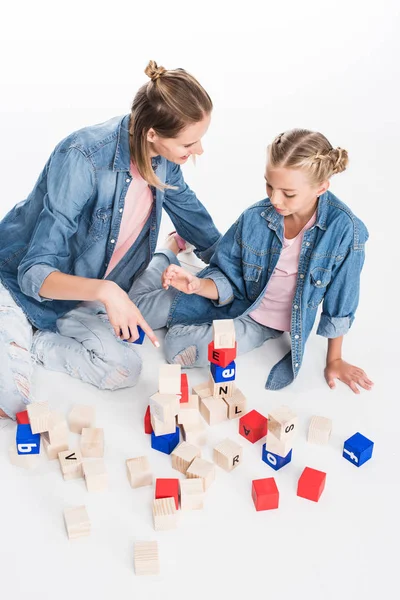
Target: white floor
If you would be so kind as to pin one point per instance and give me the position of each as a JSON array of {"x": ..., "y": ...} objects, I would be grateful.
[{"x": 345, "y": 546}]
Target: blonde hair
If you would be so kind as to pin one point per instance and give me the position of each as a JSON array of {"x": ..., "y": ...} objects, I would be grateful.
[
  {"x": 169, "y": 102},
  {"x": 309, "y": 151}
]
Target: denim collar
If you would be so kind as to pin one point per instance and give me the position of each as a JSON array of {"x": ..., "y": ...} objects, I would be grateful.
[
  {"x": 122, "y": 158},
  {"x": 275, "y": 219}
]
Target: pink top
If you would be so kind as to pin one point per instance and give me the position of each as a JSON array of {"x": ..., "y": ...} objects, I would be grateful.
[
  {"x": 275, "y": 309},
  {"x": 137, "y": 209}
]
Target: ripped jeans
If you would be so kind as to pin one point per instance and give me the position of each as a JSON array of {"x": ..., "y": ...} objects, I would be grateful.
[
  {"x": 85, "y": 347},
  {"x": 187, "y": 345}
]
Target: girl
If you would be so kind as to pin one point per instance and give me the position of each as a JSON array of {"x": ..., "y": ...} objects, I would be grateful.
[
  {"x": 284, "y": 256},
  {"x": 89, "y": 229}
]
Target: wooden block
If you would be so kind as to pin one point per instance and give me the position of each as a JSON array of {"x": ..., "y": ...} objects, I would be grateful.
[
  {"x": 71, "y": 464},
  {"x": 183, "y": 456},
  {"x": 169, "y": 379},
  {"x": 184, "y": 388},
  {"x": 253, "y": 426},
  {"x": 192, "y": 494},
  {"x": 237, "y": 404},
  {"x": 77, "y": 522},
  {"x": 96, "y": 476},
  {"x": 277, "y": 446},
  {"x": 223, "y": 356},
  {"x": 265, "y": 494},
  {"x": 213, "y": 410},
  {"x": 222, "y": 374},
  {"x": 145, "y": 558},
  {"x": 224, "y": 334},
  {"x": 22, "y": 417},
  {"x": 282, "y": 422},
  {"x": 358, "y": 449},
  {"x": 167, "y": 488},
  {"x": 320, "y": 430},
  {"x": 165, "y": 443},
  {"x": 204, "y": 470},
  {"x": 147, "y": 421},
  {"x": 92, "y": 442},
  {"x": 52, "y": 450},
  {"x": 311, "y": 484},
  {"x": 81, "y": 416},
  {"x": 194, "y": 433},
  {"x": 24, "y": 461},
  {"x": 160, "y": 428},
  {"x": 228, "y": 454},
  {"x": 275, "y": 461},
  {"x": 39, "y": 414},
  {"x": 221, "y": 390},
  {"x": 164, "y": 406},
  {"x": 165, "y": 515},
  {"x": 58, "y": 432},
  {"x": 26, "y": 441},
  {"x": 188, "y": 416},
  {"x": 202, "y": 390},
  {"x": 139, "y": 471}
]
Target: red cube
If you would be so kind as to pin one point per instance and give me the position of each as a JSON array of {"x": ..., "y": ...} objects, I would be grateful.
[
  {"x": 265, "y": 494},
  {"x": 253, "y": 426},
  {"x": 184, "y": 388},
  {"x": 222, "y": 356},
  {"x": 147, "y": 422},
  {"x": 168, "y": 488},
  {"x": 22, "y": 418},
  {"x": 311, "y": 484}
]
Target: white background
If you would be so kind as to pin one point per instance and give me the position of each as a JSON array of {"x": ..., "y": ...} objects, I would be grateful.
[{"x": 268, "y": 67}]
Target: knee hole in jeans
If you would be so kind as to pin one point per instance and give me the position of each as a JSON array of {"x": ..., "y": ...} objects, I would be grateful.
[{"x": 186, "y": 357}]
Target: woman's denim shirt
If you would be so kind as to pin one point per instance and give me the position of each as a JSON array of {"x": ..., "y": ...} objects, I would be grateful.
[
  {"x": 71, "y": 220},
  {"x": 331, "y": 259}
]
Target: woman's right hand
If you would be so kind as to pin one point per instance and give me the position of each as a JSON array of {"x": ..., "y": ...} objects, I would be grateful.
[
  {"x": 181, "y": 280},
  {"x": 123, "y": 314}
]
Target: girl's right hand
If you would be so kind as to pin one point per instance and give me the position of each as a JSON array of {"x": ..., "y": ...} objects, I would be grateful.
[
  {"x": 123, "y": 314},
  {"x": 181, "y": 280}
]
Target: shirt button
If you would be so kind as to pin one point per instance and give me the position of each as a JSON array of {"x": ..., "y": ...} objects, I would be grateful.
[
  {"x": 307, "y": 243},
  {"x": 263, "y": 214},
  {"x": 296, "y": 365},
  {"x": 301, "y": 276},
  {"x": 120, "y": 210},
  {"x": 296, "y": 337},
  {"x": 113, "y": 241},
  {"x": 127, "y": 180},
  {"x": 296, "y": 307},
  {"x": 319, "y": 282}
]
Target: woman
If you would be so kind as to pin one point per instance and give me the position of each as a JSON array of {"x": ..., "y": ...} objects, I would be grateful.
[{"x": 86, "y": 232}]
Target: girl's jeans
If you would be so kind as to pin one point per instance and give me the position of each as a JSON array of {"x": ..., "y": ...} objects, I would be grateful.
[{"x": 85, "y": 347}]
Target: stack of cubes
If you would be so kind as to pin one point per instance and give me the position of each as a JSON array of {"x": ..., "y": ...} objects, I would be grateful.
[
  {"x": 282, "y": 425},
  {"x": 164, "y": 407}
]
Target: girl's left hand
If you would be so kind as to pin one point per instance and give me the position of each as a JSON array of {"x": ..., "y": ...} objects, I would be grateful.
[{"x": 348, "y": 374}]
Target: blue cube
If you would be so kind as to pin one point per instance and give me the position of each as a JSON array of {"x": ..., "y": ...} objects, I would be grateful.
[
  {"x": 165, "y": 443},
  {"x": 358, "y": 449},
  {"x": 275, "y": 461},
  {"x": 27, "y": 442},
  {"x": 221, "y": 374},
  {"x": 141, "y": 336}
]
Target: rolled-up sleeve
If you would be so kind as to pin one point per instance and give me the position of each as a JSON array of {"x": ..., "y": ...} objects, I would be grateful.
[
  {"x": 70, "y": 184},
  {"x": 342, "y": 296}
]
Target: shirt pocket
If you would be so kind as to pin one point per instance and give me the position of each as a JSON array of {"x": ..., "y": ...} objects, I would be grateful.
[
  {"x": 252, "y": 275},
  {"x": 319, "y": 280},
  {"x": 100, "y": 223}
]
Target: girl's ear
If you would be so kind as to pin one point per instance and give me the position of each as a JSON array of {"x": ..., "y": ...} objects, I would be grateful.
[
  {"x": 151, "y": 135},
  {"x": 323, "y": 187}
]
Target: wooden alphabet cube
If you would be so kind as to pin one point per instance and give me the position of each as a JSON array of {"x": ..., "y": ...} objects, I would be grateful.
[
  {"x": 184, "y": 388},
  {"x": 188, "y": 416},
  {"x": 164, "y": 406},
  {"x": 165, "y": 515},
  {"x": 169, "y": 381},
  {"x": 145, "y": 558},
  {"x": 24, "y": 461},
  {"x": 311, "y": 484},
  {"x": 92, "y": 442},
  {"x": 275, "y": 461},
  {"x": 192, "y": 494},
  {"x": 26, "y": 441},
  {"x": 96, "y": 476},
  {"x": 167, "y": 488},
  {"x": 141, "y": 335},
  {"x": 202, "y": 390},
  {"x": 222, "y": 374},
  {"x": 77, "y": 522},
  {"x": 236, "y": 404},
  {"x": 194, "y": 433},
  {"x": 147, "y": 421},
  {"x": 58, "y": 431},
  {"x": 358, "y": 449},
  {"x": 81, "y": 416},
  {"x": 202, "y": 469},
  {"x": 71, "y": 464},
  {"x": 22, "y": 418},
  {"x": 165, "y": 443},
  {"x": 224, "y": 333},
  {"x": 183, "y": 456},
  {"x": 161, "y": 428},
  {"x": 228, "y": 454},
  {"x": 278, "y": 447},
  {"x": 52, "y": 450},
  {"x": 282, "y": 422},
  {"x": 320, "y": 430},
  {"x": 222, "y": 390},
  {"x": 39, "y": 414},
  {"x": 265, "y": 494},
  {"x": 221, "y": 356},
  {"x": 213, "y": 410},
  {"x": 253, "y": 426},
  {"x": 139, "y": 471}
]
